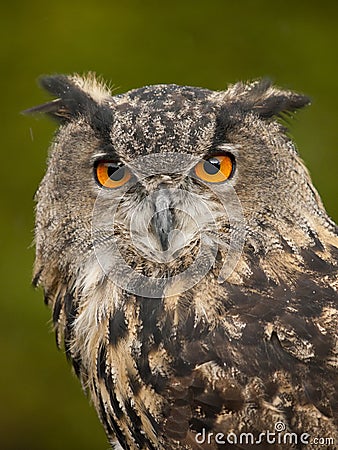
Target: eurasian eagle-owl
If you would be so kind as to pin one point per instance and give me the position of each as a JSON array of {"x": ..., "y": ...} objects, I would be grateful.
[{"x": 190, "y": 266}]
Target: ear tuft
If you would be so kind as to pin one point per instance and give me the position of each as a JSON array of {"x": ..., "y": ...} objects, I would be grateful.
[
  {"x": 75, "y": 96},
  {"x": 93, "y": 85},
  {"x": 266, "y": 100}
]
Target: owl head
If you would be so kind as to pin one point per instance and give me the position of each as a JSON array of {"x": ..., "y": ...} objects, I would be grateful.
[{"x": 156, "y": 187}]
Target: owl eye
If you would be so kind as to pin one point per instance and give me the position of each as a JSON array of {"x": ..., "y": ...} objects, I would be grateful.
[
  {"x": 111, "y": 174},
  {"x": 215, "y": 169}
]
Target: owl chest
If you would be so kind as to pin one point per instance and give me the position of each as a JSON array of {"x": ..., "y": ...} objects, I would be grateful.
[{"x": 127, "y": 364}]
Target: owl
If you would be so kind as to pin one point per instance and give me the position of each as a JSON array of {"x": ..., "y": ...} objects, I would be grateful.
[{"x": 190, "y": 265}]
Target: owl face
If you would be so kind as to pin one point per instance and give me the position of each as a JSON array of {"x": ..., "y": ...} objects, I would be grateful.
[{"x": 162, "y": 183}]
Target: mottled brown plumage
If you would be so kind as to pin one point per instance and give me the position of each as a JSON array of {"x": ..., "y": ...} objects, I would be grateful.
[{"x": 190, "y": 307}]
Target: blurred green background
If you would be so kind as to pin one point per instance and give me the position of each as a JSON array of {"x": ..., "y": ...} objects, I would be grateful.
[{"x": 131, "y": 43}]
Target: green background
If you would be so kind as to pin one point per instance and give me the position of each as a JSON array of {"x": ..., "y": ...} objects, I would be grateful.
[{"x": 131, "y": 43}]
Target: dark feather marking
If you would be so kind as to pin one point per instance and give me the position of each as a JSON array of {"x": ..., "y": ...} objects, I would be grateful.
[
  {"x": 77, "y": 365},
  {"x": 278, "y": 355},
  {"x": 196, "y": 405},
  {"x": 46, "y": 297},
  {"x": 57, "y": 337},
  {"x": 198, "y": 424},
  {"x": 282, "y": 294},
  {"x": 113, "y": 400},
  {"x": 252, "y": 334},
  {"x": 143, "y": 367},
  {"x": 317, "y": 243},
  {"x": 70, "y": 309},
  {"x": 305, "y": 329},
  {"x": 150, "y": 335},
  {"x": 151, "y": 419},
  {"x": 101, "y": 362},
  {"x": 167, "y": 331},
  {"x": 135, "y": 385},
  {"x": 158, "y": 382},
  {"x": 36, "y": 278},
  {"x": 232, "y": 398},
  {"x": 271, "y": 388},
  {"x": 286, "y": 246},
  {"x": 315, "y": 292},
  {"x": 186, "y": 312},
  {"x": 118, "y": 328},
  {"x": 224, "y": 123},
  {"x": 142, "y": 363},
  {"x": 57, "y": 309},
  {"x": 111, "y": 425},
  {"x": 253, "y": 306},
  {"x": 238, "y": 297},
  {"x": 179, "y": 414},
  {"x": 67, "y": 345},
  {"x": 288, "y": 411},
  {"x": 196, "y": 352},
  {"x": 186, "y": 326},
  {"x": 211, "y": 402},
  {"x": 218, "y": 348},
  {"x": 177, "y": 424},
  {"x": 136, "y": 429},
  {"x": 265, "y": 309},
  {"x": 258, "y": 277},
  {"x": 323, "y": 396},
  {"x": 151, "y": 310},
  {"x": 315, "y": 263},
  {"x": 181, "y": 366},
  {"x": 334, "y": 252}
]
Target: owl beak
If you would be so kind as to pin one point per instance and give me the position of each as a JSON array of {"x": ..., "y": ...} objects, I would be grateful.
[{"x": 163, "y": 218}]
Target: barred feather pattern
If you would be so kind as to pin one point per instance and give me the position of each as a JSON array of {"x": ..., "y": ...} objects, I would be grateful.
[{"x": 159, "y": 371}]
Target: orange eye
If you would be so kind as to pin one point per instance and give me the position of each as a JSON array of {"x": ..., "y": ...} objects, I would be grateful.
[
  {"x": 215, "y": 169},
  {"x": 112, "y": 174}
]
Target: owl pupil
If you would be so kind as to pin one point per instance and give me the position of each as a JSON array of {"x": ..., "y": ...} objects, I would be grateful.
[
  {"x": 212, "y": 166},
  {"x": 116, "y": 171}
]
